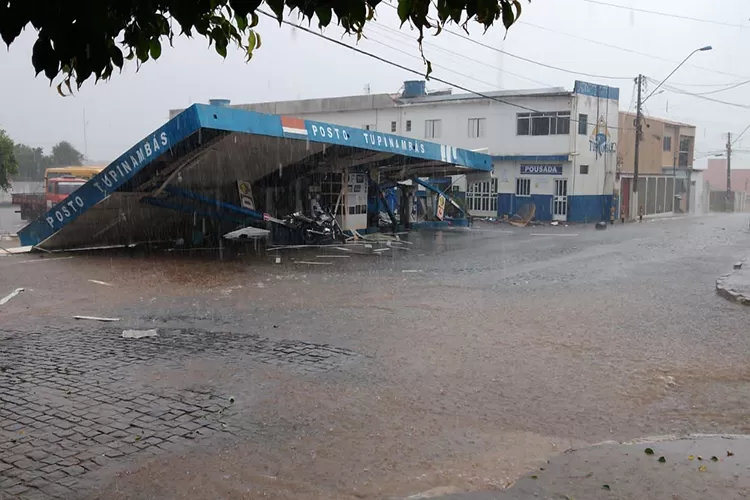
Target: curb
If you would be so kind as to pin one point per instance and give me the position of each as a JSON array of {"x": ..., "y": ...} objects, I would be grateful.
[{"x": 728, "y": 293}]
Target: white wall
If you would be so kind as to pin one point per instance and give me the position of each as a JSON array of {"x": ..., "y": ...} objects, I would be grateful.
[
  {"x": 602, "y": 164},
  {"x": 500, "y": 130},
  {"x": 698, "y": 194}
]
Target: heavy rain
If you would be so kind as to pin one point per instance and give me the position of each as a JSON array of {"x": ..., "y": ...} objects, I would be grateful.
[{"x": 501, "y": 264}]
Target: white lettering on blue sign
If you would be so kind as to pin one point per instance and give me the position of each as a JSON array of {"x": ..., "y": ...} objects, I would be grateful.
[
  {"x": 541, "y": 169},
  {"x": 110, "y": 178},
  {"x": 448, "y": 154},
  {"x": 371, "y": 138}
]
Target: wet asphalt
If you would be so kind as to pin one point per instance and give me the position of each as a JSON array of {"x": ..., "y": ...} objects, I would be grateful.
[{"x": 480, "y": 354}]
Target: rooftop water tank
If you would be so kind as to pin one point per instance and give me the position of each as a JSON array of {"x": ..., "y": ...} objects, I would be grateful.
[
  {"x": 219, "y": 102},
  {"x": 414, "y": 88}
]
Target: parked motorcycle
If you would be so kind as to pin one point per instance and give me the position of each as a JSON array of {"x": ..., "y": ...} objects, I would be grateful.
[{"x": 321, "y": 229}]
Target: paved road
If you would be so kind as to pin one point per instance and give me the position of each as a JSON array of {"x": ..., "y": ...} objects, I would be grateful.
[{"x": 460, "y": 364}]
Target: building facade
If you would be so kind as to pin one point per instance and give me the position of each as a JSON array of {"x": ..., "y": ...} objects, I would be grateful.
[
  {"x": 665, "y": 168},
  {"x": 553, "y": 149}
]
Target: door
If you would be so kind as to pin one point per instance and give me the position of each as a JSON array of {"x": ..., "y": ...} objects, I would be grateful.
[
  {"x": 560, "y": 200},
  {"x": 625, "y": 199}
]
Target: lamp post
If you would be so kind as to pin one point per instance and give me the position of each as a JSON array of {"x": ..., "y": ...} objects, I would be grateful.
[{"x": 638, "y": 128}]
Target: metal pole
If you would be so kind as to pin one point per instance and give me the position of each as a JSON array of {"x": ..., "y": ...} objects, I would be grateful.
[
  {"x": 729, "y": 173},
  {"x": 638, "y": 118}
]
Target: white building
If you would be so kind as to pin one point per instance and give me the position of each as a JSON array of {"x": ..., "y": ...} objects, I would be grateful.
[{"x": 553, "y": 148}]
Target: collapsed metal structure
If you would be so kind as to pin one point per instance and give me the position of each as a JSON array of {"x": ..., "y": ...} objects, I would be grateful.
[{"x": 181, "y": 181}]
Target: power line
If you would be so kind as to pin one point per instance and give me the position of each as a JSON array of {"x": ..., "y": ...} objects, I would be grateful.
[
  {"x": 730, "y": 87},
  {"x": 406, "y": 68},
  {"x": 644, "y": 54},
  {"x": 461, "y": 56},
  {"x": 741, "y": 134},
  {"x": 526, "y": 59},
  {"x": 434, "y": 65},
  {"x": 699, "y": 96},
  {"x": 665, "y": 14},
  {"x": 395, "y": 64}
]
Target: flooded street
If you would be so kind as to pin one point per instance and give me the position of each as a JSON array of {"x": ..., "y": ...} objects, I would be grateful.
[{"x": 461, "y": 364}]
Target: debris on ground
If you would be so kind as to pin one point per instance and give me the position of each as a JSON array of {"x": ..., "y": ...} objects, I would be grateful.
[
  {"x": 101, "y": 282},
  {"x": 139, "y": 334},
  {"x": 12, "y": 294},
  {"x": 601, "y": 225},
  {"x": 524, "y": 215},
  {"x": 96, "y": 318}
]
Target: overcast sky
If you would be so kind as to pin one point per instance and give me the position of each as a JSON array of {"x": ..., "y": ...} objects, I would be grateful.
[{"x": 293, "y": 64}]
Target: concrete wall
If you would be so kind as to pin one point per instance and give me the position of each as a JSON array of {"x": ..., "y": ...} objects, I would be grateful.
[{"x": 652, "y": 157}]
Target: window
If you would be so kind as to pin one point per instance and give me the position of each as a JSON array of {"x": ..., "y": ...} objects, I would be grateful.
[
  {"x": 685, "y": 149},
  {"x": 393, "y": 126},
  {"x": 523, "y": 187},
  {"x": 523, "y": 124},
  {"x": 583, "y": 123},
  {"x": 476, "y": 127},
  {"x": 432, "y": 128},
  {"x": 482, "y": 196},
  {"x": 667, "y": 143},
  {"x": 408, "y": 125},
  {"x": 368, "y": 127},
  {"x": 552, "y": 123},
  {"x": 539, "y": 124},
  {"x": 584, "y": 169},
  {"x": 454, "y": 188},
  {"x": 68, "y": 187}
]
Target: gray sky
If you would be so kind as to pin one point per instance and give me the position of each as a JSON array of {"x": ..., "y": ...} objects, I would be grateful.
[{"x": 292, "y": 64}]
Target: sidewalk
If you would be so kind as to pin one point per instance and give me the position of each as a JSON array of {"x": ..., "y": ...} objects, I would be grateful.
[
  {"x": 697, "y": 467},
  {"x": 735, "y": 286}
]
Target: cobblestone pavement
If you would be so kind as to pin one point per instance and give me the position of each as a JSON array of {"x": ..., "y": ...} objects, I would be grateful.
[{"x": 68, "y": 404}]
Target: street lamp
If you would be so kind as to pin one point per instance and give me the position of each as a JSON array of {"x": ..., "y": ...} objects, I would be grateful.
[
  {"x": 639, "y": 131},
  {"x": 702, "y": 49}
]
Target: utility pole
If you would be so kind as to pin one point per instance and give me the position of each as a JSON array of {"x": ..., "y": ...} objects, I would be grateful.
[
  {"x": 638, "y": 119},
  {"x": 727, "y": 200}
]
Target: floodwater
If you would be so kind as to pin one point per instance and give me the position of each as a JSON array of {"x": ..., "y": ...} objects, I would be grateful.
[{"x": 477, "y": 355}]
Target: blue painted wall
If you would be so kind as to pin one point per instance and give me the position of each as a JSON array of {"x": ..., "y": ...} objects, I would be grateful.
[
  {"x": 509, "y": 204},
  {"x": 589, "y": 208}
]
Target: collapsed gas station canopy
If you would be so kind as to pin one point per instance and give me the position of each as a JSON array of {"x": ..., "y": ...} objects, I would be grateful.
[{"x": 204, "y": 151}]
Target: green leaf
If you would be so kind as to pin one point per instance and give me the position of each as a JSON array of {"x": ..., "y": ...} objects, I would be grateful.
[
  {"x": 141, "y": 50},
  {"x": 606, "y": 487},
  {"x": 116, "y": 54},
  {"x": 429, "y": 70},
  {"x": 714, "y": 459},
  {"x": 155, "y": 49},
  {"x": 404, "y": 9},
  {"x": 277, "y": 6},
  {"x": 221, "y": 50},
  {"x": 254, "y": 19},
  {"x": 241, "y": 22},
  {"x": 662, "y": 460},
  {"x": 508, "y": 17},
  {"x": 517, "y": 5},
  {"x": 59, "y": 89},
  {"x": 324, "y": 16},
  {"x": 257, "y": 37},
  {"x": 649, "y": 451},
  {"x": 252, "y": 40}
]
